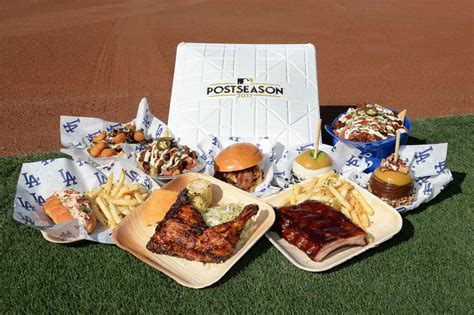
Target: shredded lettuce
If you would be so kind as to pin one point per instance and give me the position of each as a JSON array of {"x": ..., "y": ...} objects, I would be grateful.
[{"x": 225, "y": 213}]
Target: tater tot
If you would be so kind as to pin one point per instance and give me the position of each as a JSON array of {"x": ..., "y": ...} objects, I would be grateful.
[
  {"x": 97, "y": 149},
  {"x": 107, "y": 152},
  {"x": 120, "y": 138},
  {"x": 99, "y": 137}
]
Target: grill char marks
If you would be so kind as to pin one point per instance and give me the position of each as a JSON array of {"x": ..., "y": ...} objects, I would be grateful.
[
  {"x": 183, "y": 233},
  {"x": 317, "y": 229}
]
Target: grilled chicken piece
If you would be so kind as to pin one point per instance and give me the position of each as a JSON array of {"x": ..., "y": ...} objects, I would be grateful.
[
  {"x": 183, "y": 233},
  {"x": 317, "y": 229}
]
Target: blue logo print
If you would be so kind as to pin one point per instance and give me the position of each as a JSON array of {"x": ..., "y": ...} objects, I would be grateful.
[
  {"x": 101, "y": 178},
  {"x": 146, "y": 119},
  {"x": 236, "y": 139},
  {"x": 428, "y": 189},
  {"x": 80, "y": 162},
  {"x": 420, "y": 157},
  {"x": 134, "y": 177},
  {"x": 352, "y": 161},
  {"x": 140, "y": 147},
  {"x": 46, "y": 162},
  {"x": 68, "y": 179},
  {"x": 422, "y": 180},
  {"x": 39, "y": 199},
  {"x": 91, "y": 136},
  {"x": 147, "y": 182},
  {"x": 108, "y": 167},
  {"x": 30, "y": 180},
  {"x": 71, "y": 125},
  {"x": 440, "y": 167},
  {"x": 66, "y": 235},
  {"x": 26, "y": 219},
  {"x": 112, "y": 127},
  {"x": 303, "y": 148},
  {"x": 25, "y": 204},
  {"x": 214, "y": 141},
  {"x": 159, "y": 131}
]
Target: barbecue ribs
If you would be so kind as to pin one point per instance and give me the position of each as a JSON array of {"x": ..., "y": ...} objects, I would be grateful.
[
  {"x": 317, "y": 229},
  {"x": 183, "y": 233}
]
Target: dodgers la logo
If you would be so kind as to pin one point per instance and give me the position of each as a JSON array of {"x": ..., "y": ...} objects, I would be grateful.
[
  {"x": 30, "y": 180},
  {"x": 439, "y": 168},
  {"x": 134, "y": 177},
  {"x": 352, "y": 161},
  {"x": 303, "y": 148},
  {"x": 422, "y": 180},
  {"x": 420, "y": 157},
  {"x": 25, "y": 204},
  {"x": 113, "y": 126},
  {"x": 68, "y": 178},
  {"x": 80, "y": 162},
  {"x": 66, "y": 235},
  {"x": 100, "y": 178},
  {"x": 428, "y": 189},
  {"x": 108, "y": 167},
  {"x": 26, "y": 219},
  {"x": 146, "y": 119},
  {"x": 38, "y": 198},
  {"x": 147, "y": 182},
  {"x": 140, "y": 147},
  {"x": 70, "y": 126},
  {"x": 159, "y": 131},
  {"x": 46, "y": 162},
  {"x": 91, "y": 136}
]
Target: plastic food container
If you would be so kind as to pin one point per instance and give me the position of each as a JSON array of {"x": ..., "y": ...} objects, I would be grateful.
[{"x": 374, "y": 151}]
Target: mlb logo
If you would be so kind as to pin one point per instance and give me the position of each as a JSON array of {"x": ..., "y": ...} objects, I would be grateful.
[{"x": 245, "y": 81}]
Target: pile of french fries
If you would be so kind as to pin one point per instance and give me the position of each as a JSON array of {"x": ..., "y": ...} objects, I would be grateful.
[
  {"x": 332, "y": 190},
  {"x": 112, "y": 202}
]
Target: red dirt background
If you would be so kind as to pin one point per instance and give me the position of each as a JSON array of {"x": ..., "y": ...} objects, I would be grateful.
[{"x": 98, "y": 58}]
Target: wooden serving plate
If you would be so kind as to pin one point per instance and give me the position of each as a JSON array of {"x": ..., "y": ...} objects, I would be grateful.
[
  {"x": 132, "y": 235},
  {"x": 385, "y": 223}
]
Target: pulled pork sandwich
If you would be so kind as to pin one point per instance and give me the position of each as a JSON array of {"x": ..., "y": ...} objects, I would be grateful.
[{"x": 238, "y": 165}]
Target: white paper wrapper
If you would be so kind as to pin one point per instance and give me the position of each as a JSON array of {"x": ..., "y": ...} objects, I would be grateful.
[
  {"x": 77, "y": 134},
  {"x": 427, "y": 163},
  {"x": 39, "y": 180},
  {"x": 211, "y": 146},
  {"x": 345, "y": 158}
]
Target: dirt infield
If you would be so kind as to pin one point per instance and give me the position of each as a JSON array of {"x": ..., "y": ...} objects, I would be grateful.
[{"x": 98, "y": 58}]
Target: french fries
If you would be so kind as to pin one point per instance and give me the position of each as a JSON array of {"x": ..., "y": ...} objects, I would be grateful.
[
  {"x": 111, "y": 202},
  {"x": 332, "y": 190}
]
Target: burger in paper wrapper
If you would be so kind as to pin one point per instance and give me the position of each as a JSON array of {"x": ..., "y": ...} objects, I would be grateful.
[{"x": 238, "y": 165}]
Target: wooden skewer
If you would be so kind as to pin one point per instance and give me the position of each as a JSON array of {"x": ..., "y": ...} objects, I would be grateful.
[
  {"x": 318, "y": 135},
  {"x": 402, "y": 115},
  {"x": 397, "y": 146}
]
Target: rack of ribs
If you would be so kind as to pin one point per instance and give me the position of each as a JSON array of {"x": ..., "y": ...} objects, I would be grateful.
[
  {"x": 183, "y": 233},
  {"x": 317, "y": 229}
]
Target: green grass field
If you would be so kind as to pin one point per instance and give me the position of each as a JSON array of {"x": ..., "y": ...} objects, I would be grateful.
[{"x": 427, "y": 267}]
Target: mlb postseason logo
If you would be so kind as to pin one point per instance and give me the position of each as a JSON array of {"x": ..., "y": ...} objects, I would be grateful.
[{"x": 243, "y": 88}]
